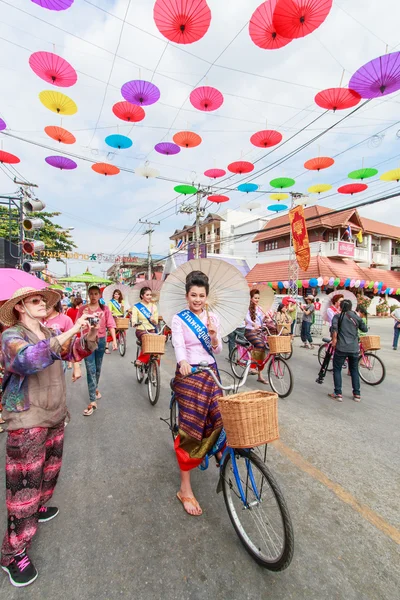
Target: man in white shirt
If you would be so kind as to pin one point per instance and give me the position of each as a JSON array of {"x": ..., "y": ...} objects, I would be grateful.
[{"x": 396, "y": 316}]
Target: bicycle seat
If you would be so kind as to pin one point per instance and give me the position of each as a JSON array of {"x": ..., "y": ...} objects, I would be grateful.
[
  {"x": 326, "y": 340},
  {"x": 242, "y": 341}
]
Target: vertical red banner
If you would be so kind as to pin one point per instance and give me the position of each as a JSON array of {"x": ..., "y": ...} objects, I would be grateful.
[{"x": 300, "y": 239}]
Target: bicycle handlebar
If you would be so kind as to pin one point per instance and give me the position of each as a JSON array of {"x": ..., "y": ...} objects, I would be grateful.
[{"x": 227, "y": 388}]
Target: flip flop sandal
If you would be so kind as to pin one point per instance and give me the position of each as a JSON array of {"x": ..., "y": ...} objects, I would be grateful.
[
  {"x": 192, "y": 501},
  {"x": 89, "y": 410},
  {"x": 262, "y": 381},
  {"x": 98, "y": 396}
]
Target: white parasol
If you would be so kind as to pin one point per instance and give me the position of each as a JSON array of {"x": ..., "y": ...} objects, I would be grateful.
[
  {"x": 108, "y": 293},
  {"x": 326, "y": 301},
  {"x": 228, "y": 297},
  {"x": 267, "y": 297},
  {"x": 153, "y": 284}
]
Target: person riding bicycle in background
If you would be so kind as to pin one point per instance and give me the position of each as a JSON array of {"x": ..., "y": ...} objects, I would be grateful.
[
  {"x": 283, "y": 319},
  {"x": 254, "y": 322},
  {"x": 146, "y": 313},
  {"x": 117, "y": 304},
  {"x": 345, "y": 327},
  {"x": 196, "y": 337}
]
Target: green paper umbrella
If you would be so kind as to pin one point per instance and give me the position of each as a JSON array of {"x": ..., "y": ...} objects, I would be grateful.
[
  {"x": 363, "y": 173},
  {"x": 85, "y": 277},
  {"x": 282, "y": 182},
  {"x": 185, "y": 189},
  {"x": 56, "y": 286}
]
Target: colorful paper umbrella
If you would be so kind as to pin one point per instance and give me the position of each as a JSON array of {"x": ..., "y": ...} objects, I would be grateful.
[
  {"x": 185, "y": 189},
  {"x": 352, "y": 188},
  {"x": 337, "y": 99},
  {"x": 277, "y": 207},
  {"x": 58, "y": 102},
  {"x": 122, "y": 142},
  {"x": 298, "y": 18},
  {"x": 187, "y": 139},
  {"x": 54, "y": 4},
  {"x": 279, "y": 197},
  {"x": 60, "y": 135},
  {"x": 247, "y": 187},
  {"x": 218, "y": 199},
  {"x": 140, "y": 92},
  {"x": 2, "y": 125},
  {"x": 9, "y": 159},
  {"x": 363, "y": 173},
  {"x": 105, "y": 169},
  {"x": 53, "y": 69},
  {"x": 206, "y": 98},
  {"x": 61, "y": 162},
  {"x": 266, "y": 138},
  {"x": 316, "y": 164},
  {"x": 128, "y": 112},
  {"x": 214, "y": 173},
  {"x": 241, "y": 166},
  {"x": 167, "y": 148},
  {"x": 319, "y": 188},
  {"x": 182, "y": 21},
  {"x": 262, "y": 30},
  {"x": 393, "y": 175},
  {"x": 282, "y": 182},
  {"x": 147, "y": 171},
  {"x": 378, "y": 77}
]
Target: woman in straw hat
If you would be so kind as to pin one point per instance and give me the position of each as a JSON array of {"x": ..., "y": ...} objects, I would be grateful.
[{"x": 34, "y": 399}]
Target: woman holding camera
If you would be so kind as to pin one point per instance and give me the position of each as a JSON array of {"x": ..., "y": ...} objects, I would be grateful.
[{"x": 93, "y": 362}]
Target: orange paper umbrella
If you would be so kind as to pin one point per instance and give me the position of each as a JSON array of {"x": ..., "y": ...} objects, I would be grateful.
[
  {"x": 187, "y": 139},
  {"x": 105, "y": 169},
  {"x": 58, "y": 102},
  {"x": 316, "y": 164},
  {"x": 9, "y": 159},
  {"x": 128, "y": 112},
  {"x": 60, "y": 135}
]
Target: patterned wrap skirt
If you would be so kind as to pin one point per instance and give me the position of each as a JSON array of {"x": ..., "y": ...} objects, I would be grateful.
[{"x": 200, "y": 421}]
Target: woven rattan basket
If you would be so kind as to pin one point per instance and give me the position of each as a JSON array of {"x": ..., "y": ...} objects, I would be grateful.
[
  {"x": 250, "y": 418},
  {"x": 153, "y": 344},
  {"x": 371, "y": 342},
  {"x": 279, "y": 343},
  {"x": 121, "y": 323}
]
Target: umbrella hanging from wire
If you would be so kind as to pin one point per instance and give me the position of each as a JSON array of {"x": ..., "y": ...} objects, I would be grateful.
[
  {"x": 206, "y": 98},
  {"x": 187, "y": 139},
  {"x": 247, "y": 187},
  {"x": 61, "y": 162},
  {"x": 140, "y": 92},
  {"x": 214, "y": 173},
  {"x": 298, "y": 18},
  {"x": 121, "y": 142},
  {"x": 241, "y": 166},
  {"x": 182, "y": 21},
  {"x": 105, "y": 169},
  {"x": 352, "y": 188},
  {"x": 337, "y": 99},
  {"x": 58, "y": 102},
  {"x": 363, "y": 173},
  {"x": 279, "y": 197},
  {"x": 266, "y": 138},
  {"x": 8, "y": 158},
  {"x": 147, "y": 171},
  {"x": 393, "y": 175},
  {"x": 59, "y": 134},
  {"x": 128, "y": 112},
  {"x": 378, "y": 77},
  {"x": 185, "y": 189},
  {"x": 319, "y": 188},
  {"x": 2, "y": 125},
  {"x": 277, "y": 207},
  {"x": 53, "y": 69},
  {"x": 56, "y": 5},
  {"x": 282, "y": 182},
  {"x": 218, "y": 198},
  {"x": 167, "y": 148},
  {"x": 316, "y": 164},
  {"x": 262, "y": 30}
]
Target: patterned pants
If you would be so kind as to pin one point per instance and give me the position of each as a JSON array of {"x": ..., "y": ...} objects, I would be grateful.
[
  {"x": 33, "y": 463},
  {"x": 93, "y": 368}
]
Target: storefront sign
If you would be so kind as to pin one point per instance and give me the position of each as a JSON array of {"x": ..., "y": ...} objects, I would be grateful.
[
  {"x": 192, "y": 251},
  {"x": 346, "y": 249}
]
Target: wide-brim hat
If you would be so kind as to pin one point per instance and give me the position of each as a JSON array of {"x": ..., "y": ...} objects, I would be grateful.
[
  {"x": 7, "y": 316},
  {"x": 310, "y": 297}
]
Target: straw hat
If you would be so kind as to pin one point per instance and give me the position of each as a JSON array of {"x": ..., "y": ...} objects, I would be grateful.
[
  {"x": 310, "y": 297},
  {"x": 7, "y": 316}
]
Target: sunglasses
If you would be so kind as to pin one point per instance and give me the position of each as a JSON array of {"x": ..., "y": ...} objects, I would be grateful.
[{"x": 36, "y": 301}]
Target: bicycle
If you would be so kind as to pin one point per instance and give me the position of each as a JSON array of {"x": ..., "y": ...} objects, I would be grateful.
[
  {"x": 151, "y": 369},
  {"x": 371, "y": 368},
  {"x": 252, "y": 496},
  {"x": 120, "y": 335}
]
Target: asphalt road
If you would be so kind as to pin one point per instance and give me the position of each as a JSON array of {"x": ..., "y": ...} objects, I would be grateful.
[{"x": 121, "y": 533}]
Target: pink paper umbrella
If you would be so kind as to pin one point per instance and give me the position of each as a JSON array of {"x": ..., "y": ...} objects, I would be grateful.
[
  {"x": 8, "y": 158},
  {"x": 53, "y": 69},
  {"x": 140, "y": 92},
  {"x": 54, "y": 4},
  {"x": 378, "y": 77},
  {"x": 262, "y": 30},
  {"x": 206, "y": 98},
  {"x": 266, "y": 138},
  {"x": 12, "y": 280},
  {"x": 61, "y": 162},
  {"x": 182, "y": 21},
  {"x": 2, "y": 125},
  {"x": 214, "y": 173},
  {"x": 167, "y": 148}
]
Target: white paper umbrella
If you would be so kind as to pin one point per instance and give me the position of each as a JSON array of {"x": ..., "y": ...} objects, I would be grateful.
[
  {"x": 126, "y": 292},
  {"x": 266, "y": 296},
  {"x": 228, "y": 297},
  {"x": 147, "y": 172},
  {"x": 326, "y": 301},
  {"x": 153, "y": 284}
]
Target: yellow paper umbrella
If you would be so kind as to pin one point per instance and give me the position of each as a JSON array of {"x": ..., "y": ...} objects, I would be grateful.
[
  {"x": 393, "y": 175},
  {"x": 279, "y": 196},
  {"x": 58, "y": 103},
  {"x": 319, "y": 187}
]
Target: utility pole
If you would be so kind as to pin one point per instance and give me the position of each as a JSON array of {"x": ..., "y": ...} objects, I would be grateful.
[
  {"x": 149, "y": 232},
  {"x": 187, "y": 209}
]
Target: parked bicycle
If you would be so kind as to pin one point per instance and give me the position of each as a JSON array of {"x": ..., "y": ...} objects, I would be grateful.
[{"x": 370, "y": 367}]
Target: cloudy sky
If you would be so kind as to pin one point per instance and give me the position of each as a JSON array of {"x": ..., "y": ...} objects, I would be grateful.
[{"x": 110, "y": 42}]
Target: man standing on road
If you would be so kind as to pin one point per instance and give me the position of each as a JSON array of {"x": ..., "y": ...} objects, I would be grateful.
[
  {"x": 396, "y": 316},
  {"x": 345, "y": 341},
  {"x": 308, "y": 313}
]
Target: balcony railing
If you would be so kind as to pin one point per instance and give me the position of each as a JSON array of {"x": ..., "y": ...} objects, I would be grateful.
[
  {"x": 395, "y": 260},
  {"x": 361, "y": 255},
  {"x": 380, "y": 258},
  {"x": 338, "y": 248}
]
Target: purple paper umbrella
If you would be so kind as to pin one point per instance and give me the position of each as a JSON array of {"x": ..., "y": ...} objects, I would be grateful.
[
  {"x": 54, "y": 4},
  {"x": 61, "y": 162},
  {"x": 2, "y": 125},
  {"x": 378, "y": 77},
  {"x": 140, "y": 92},
  {"x": 167, "y": 148}
]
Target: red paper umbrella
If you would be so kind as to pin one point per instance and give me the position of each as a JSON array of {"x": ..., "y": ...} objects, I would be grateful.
[
  {"x": 187, "y": 139},
  {"x": 182, "y": 21},
  {"x": 128, "y": 112},
  {"x": 218, "y": 198},
  {"x": 105, "y": 169},
  {"x": 60, "y": 135},
  {"x": 337, "y": 98},
  {"x": 53, "y": 69},
  {"x": 262, "y": 30},
  {"x": 298, "y": 18},
  {"x": 241, "y": 166},
  {"x": 266, "y": 138},
  {"x": 206, "y": 98},
  {"x": 9, "y": 159},
  {"x": 214, "y": 173},
  {"x": 316, "y": 164},
  {"x": 352, "y": 188}
]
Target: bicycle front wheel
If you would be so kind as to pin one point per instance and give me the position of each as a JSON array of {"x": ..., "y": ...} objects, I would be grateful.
[
  {"x": 153, "y": 382},
  {"x": 139, "y": 370},
  {"x": 280, "y": 377},
  {"x": 258, "y": 510},
  {"x": 321, "y": 356},
  {"x": 371, "y": 368},
  {"x": 122, "y": 343},
  {"x": 238, "y": 365}
]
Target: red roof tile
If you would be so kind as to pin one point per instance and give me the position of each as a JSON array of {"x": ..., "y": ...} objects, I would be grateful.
[{"x": 380, "y": 229}]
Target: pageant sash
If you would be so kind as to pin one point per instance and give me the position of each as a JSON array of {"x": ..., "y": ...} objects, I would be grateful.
[
  {"x": 198, "y": 328},
  {"x": 144, "y": 311},
  {"x": 118, "y": 306}
]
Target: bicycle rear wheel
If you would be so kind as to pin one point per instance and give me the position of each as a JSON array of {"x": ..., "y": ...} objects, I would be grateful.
[
  {"x": 371, "y": 368},
  {"x": 262, "y": 521},
  {"x": 122, "y": 343},
  {"x": 139, "y": 370},
  {"x": 287, "y": 355},
  {"x": 280, "y": 377},
  {"x": 321, "y": 356},
  {"x": 238, "y": 365},
  {"x": 173, "y": 417},
  {"x": 153, "y": 382}
]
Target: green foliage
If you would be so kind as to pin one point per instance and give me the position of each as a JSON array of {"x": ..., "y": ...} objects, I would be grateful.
[{"x": 393, "y": 308}]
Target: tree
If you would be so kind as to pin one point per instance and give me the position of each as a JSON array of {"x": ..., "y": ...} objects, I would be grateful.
[{"x": 52, "y": 234}]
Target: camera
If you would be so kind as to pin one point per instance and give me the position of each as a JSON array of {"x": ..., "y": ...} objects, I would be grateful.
[{"x": 93, "y": 321}]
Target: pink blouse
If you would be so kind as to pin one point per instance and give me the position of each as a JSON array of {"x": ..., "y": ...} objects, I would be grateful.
[
  {"x": 186, "y": 344},
  {"x": 60, "y": 323},
  {"x": 106, "y": 318}
]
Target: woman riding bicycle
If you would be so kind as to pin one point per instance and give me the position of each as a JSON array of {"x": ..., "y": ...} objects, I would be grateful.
[
  {"x": 117, "y": 305},
  {"x": 255, "y": 321},
  {"x": 283, "y": 319},
  {"x": 144, "y": 312},
  {"x": 196, "y": 337}
]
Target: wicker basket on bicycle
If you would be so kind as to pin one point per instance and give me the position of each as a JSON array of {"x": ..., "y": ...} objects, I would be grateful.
[
  {"x": 279, "y": 343},
  {"x": 250, "y": 418},
  {"x": 153, "y": 343},
  {"x": 121, "y": 323},
  {"x": 371, "y": 342}
]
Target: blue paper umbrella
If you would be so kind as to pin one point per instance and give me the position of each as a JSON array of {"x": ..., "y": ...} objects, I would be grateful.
[
  {"x": 118, "y": 141},
  {"x": 247, "y": 187},
  {"x": 277, "y": 207}
]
